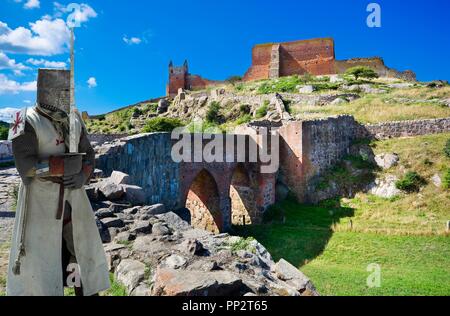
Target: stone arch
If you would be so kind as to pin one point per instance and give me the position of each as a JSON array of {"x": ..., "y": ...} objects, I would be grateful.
[
  {"x": 243, "y": 198},
  {"x": 203, "y": 203}
]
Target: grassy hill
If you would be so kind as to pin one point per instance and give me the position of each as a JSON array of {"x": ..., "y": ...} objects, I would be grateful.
[
  {"x": 376, "y": 100},
  {"x": 333, "y": 243}
]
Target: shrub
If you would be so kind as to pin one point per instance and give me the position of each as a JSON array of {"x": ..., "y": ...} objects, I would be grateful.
[
  {"x": 262, "y": 111},
  {"x": 446, "y": 180},
  {"x": 212, "y": 116},
  {"x": 361, "y": 72},
  {"x": 244, "y": 119},
  {"x": 411, "y": 182},
  {"x": 447, "y": 148},
  {"x": 234, "y": 79},
  {"x": 245, "y": 109},
  {"x": 161, "y": 124},
  {"x": 3, "y": 133}
]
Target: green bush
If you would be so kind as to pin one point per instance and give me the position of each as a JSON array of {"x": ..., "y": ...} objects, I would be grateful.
[
  {"x": 244, "y": 119},
  {"x": 262, "y": 111},
  {"x": 3, "y": 133},
  {"x": 234, "y": 79},
  {"x": 411, "y": 182},
  {"x": 361, "y": 72},
  {"x": 245, "y": 109},
  {"x": 213, "y": 116},
  {"x": 447, "y": 148},
  {"x": 161, "y": 124},
  {"x": 284, "y": 84},
  {"x": 446, "y": 180}
]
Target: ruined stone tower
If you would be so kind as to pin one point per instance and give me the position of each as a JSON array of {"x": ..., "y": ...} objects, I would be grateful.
[{"x": 178, "y": 78}]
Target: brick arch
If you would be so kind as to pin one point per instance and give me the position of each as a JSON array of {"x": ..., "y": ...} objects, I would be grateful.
[
  {"x": 204, "y": 202},
  {"x": 243, "y": 196}
]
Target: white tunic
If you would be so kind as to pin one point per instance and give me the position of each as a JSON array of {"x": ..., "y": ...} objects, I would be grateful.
[{"x": 41, "y": 273}]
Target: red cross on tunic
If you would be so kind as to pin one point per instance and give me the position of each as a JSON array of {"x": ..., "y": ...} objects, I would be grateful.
[{"x": 18, "y": 120}]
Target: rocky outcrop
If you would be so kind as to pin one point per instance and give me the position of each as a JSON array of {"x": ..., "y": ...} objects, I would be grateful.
[
  {"x": 153, "y": 251},
  {"x": 162, "y": 255}
]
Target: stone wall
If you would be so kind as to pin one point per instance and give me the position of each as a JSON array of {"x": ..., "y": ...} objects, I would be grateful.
[
  {"x": 377, "y": 64},
  {"x": 5, "y": 150},
  {"x": 403, "y": 128},
  {"x": 147, "y": 159},
  {"x": 105, "y": 138},
  {"x": 308, "y": 148}
]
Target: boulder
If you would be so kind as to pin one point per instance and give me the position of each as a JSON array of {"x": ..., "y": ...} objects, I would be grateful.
[
  {"x": 131, "y": 211},
  {"x": 170, "y": 282},
  {"x": 118, "y": 177},
  {"x": 134, "y": 195},
  {"x": 141, "y": 291},
  {"x": 339, "y": 101},
  {"x": 130, "y": 273},
  {"x": 307, "y": 89},
  {"x": 113, "y": 222},
  {"x": 117, "y": 207},
  {"x": 163, "y": 106},
  {"x": 124, "y": 237},
  {"x": 103, "y": 231},
  {"x": 111, "y": 191},
  {"x": 174, "y": 221},
  {"x": 92, "y": 193},
  {"x": 104, "y": 213},
  {"x": 142, "y": 227},
  {"x": 173, "y": 262},
  {"x": 387, "y": 161},
  {"x": 294, "y": 277},
  {"x": 437, "y": 181},
  {"x": 385, "y": 188},
  {"x": 191, "y": 247},
  {"x": 160, "y": 229},
  {"x": 153, "y": 209}
]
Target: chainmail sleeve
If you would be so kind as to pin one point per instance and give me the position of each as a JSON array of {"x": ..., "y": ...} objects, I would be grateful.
[
  {"x": 25, "y": 150},
  {"x": 85, "y": 147}
]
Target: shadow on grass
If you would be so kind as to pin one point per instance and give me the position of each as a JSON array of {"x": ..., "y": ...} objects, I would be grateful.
[{"x": 302, "y": 234}]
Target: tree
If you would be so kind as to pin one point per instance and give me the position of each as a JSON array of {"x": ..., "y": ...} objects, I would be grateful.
[
  {"x": 362, "y": 72},
  {"x": 4, "y": 128}
]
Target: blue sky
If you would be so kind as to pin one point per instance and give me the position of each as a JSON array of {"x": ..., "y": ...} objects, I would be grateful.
[{"x": 124, "y": 47}]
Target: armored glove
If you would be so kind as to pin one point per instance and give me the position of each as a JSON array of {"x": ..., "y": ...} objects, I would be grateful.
[
  {"x": 65, "y": 165},
  {"x": 76, "y": 181}
]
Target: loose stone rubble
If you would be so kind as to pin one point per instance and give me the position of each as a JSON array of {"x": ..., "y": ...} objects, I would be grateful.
[{"x": 154, "y": 252}]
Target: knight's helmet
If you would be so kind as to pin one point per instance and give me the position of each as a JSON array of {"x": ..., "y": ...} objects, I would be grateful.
[{"x": 53, "y": 89}]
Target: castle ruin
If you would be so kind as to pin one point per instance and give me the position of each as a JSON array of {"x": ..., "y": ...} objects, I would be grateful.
[{"x": 274, "y": 60}]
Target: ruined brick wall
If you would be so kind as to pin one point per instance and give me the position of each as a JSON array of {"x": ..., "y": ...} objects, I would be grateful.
[
  {"x": 314, "y": 56},
  {"x": 388, "y": 130},
  {"x": 196, "y": 82},
  {"x": 308, "y": 148},
  {"x": 377, "y": 64},
  {"x": 260, "y": 63}
]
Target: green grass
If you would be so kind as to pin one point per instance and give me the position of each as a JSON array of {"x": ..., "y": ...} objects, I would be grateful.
[
  {"x": 116, "y": 289},
  {"x": 337, "y": 261},
  {"x": 334, "y": 242}
]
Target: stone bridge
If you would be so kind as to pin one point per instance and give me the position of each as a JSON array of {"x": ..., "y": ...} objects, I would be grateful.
[
  {"x": 235, "y": 191},
  {"x": 218, "y": 194}
]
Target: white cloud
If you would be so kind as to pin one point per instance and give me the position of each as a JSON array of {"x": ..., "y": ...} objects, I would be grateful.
[
  {"x": 6, "y": 114},
  {"x": 45, "y": 37},
  {"x": 14, "y": 87},
  {"x": 83, "y": 14},
  {"x": 132, "y": 40},
  {"x": 32, "y": 4},
  {"x": 7, "y": 63},
  {"x": 27, "y": 101},
  {"x": 92, "y": 82},
  {"x": 47, "y": 63}
]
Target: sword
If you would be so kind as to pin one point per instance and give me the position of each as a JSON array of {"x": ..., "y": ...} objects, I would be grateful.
[{"x": 73, "y": 108}]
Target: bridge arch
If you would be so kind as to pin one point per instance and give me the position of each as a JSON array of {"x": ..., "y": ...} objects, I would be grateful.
[
  {"x": 203, "y": 202},
  {"x": 242, "y": 195}
]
